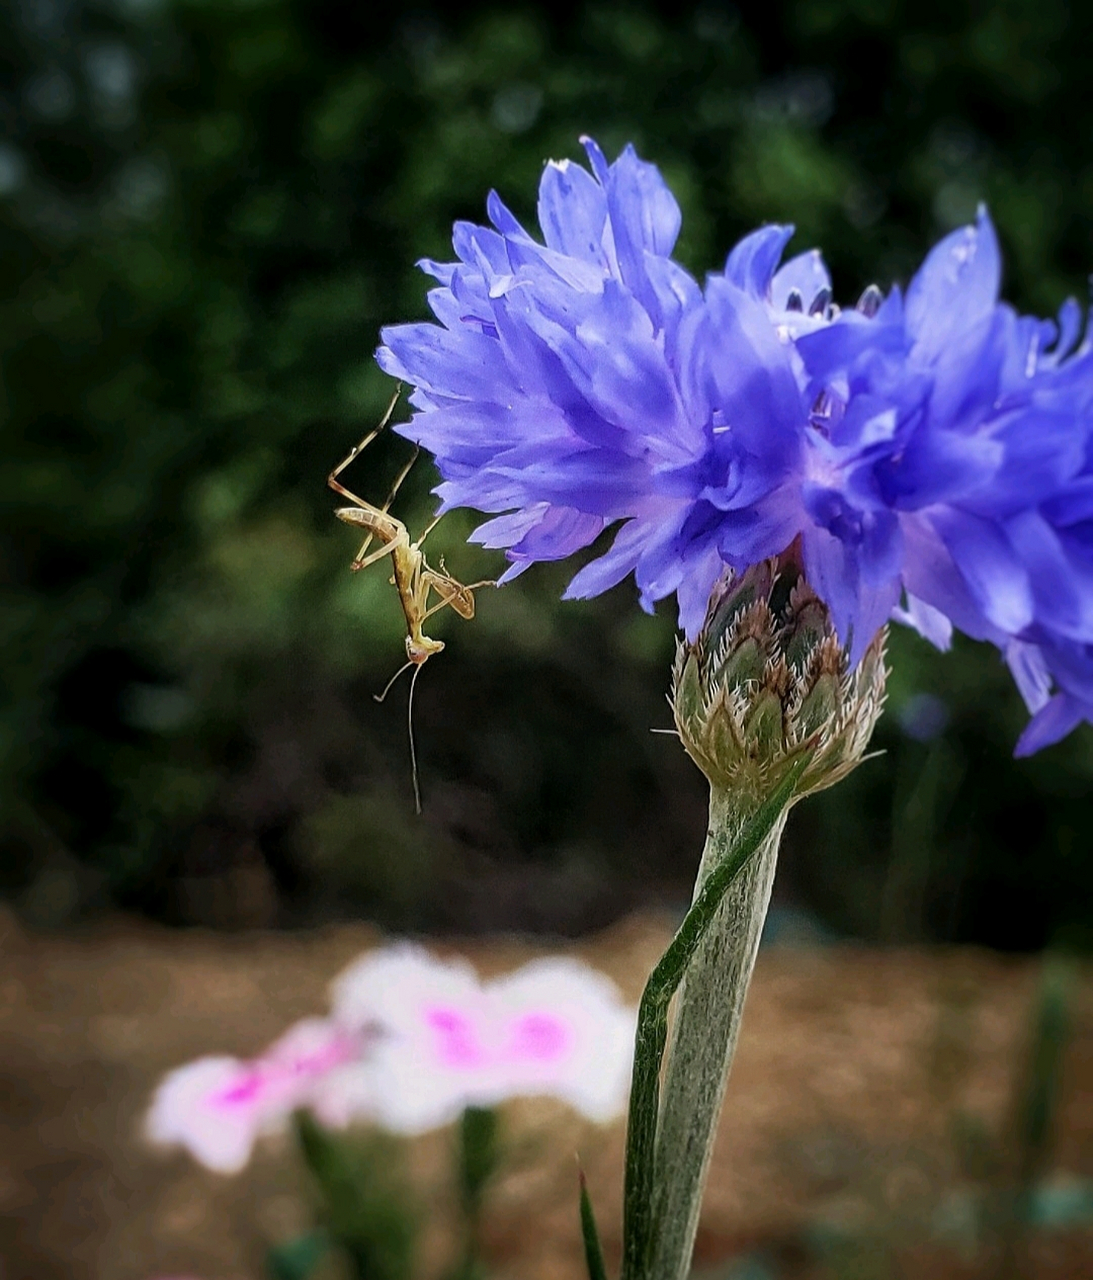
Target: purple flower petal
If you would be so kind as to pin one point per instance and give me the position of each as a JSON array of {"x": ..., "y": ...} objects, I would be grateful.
[
  {"x": 955, "y": 287},
  {"x": 991, "y": 568},
  {"x": 930, "y": 623},
  {"x": 806, "y": 275},
  {"x": 573, "y": 211},
  {"x": 751, "y": 264},
  {"x": 1030, "y": 674},
  {"x": 1052, "y": 723}
]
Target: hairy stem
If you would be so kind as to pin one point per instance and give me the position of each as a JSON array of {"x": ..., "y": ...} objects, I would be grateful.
[
  {"x": 737, "y": 845},
  {"x": 707, "y": 1023}
]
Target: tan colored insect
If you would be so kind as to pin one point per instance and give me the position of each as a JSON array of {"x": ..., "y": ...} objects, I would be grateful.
[{"x": 414, "y": 579}]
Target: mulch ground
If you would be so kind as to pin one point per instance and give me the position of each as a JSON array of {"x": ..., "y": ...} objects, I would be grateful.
[{"x": 868, "y": 1130}]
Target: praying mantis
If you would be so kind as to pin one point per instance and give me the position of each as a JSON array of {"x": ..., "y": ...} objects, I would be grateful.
[{"x": 414, "y": 579}]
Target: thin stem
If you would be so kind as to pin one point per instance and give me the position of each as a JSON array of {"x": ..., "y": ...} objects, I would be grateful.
[
  {"x": 641, "y": 1138},
  {"x": 708, "y": 1013}
]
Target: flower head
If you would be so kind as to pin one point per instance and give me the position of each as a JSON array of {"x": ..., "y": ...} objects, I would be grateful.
[
  {"x": 588, "y": 380},
  {"x": 447, "y": 1041},
  {"x": 217, "y": 1107},
  {"x": 930, "y": 453},
  {"x": 947, "y": 465}
]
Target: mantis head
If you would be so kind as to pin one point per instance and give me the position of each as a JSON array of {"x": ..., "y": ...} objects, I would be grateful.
[{"x": 421, "y": 648}]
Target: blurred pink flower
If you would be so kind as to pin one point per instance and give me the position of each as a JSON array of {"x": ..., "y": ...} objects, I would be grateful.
[
  {"x": 216, "y": 1107},
  {"x": 411, "y": 1041},
  {"x": 445, "y": 1040}
]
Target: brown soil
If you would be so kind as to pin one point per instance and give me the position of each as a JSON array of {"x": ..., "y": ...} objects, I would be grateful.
[{"x": 856, "y": 1068}]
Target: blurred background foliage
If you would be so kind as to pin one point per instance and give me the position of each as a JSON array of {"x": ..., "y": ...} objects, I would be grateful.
[{"x": 207, "y": 210}]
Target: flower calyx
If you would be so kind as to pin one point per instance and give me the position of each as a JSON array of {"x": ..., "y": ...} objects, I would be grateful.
[{"x": 767, "y": 681}]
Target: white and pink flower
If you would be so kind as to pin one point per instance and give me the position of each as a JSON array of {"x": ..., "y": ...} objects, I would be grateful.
[
  {"x": 217, "y": 1107},
  {"x": 448, "y": 1041},
  {"x": 411, "y": 1041}
]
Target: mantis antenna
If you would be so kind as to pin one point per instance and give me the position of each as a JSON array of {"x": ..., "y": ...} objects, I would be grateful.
[
  {"x": 379, "y": 697},
  {"x": 410, "y": 735}
]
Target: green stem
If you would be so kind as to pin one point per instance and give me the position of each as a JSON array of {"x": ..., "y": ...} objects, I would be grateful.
[
  {"x": 704, "y": 1034},
  {"x": 729, "y": 849}
]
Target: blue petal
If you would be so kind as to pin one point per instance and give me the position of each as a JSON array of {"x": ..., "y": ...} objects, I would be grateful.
[
  {"x": 746, "y": 536},
  {"x": 481, "y": 248},
  {"x": 532, "y": 340},
  {"x": 833, "y": 350},
  {"x": 1071, "y": 318},
  {"x": 572, "y": 211},
  {"x": 608, "y": 570},
  {"x": 1061, "y": 715},
  {"x": 503, "y": 219},
  {"x": 753, "y": 374},
  {"x": 991, "y": 568},
  {"x": 528, "y": 259},
  {"x": 441, "y": 271},
  {"x": 1074, "y": 505},
  {"x": 596, "y": 159},
  {"x": 858, "y": 611},
  {"x": 881, "y": 551},
  {"x": 1041, "y": 452},
  {"x": 703, "y": 569},
  {"x": 1071, "y": 665},
  {"x": 750, "y": 265},
  {"x": 955, "y": 288},
  {"x": 930, "y": 623},
  {"x": 590, "y": 479},
  {"x": 463, "y": 366},
  {"x": 1030, "y": 674},
  {"x": 1062, "y": 583},
  {"x": 939, "y": 466},
  {"x": 559, "y": 533},
  {"x": 644, "y": 213},
  {"x": 506, "y": 530},
  {"x": 618, "y": 367},
  {"x": 871, "y": 537},
  {"x": 479, "y": 436},
  {"x": 930, "y": 574},
  {"x": 806, "y": 273},
  {"x": 674, "y": 294}
]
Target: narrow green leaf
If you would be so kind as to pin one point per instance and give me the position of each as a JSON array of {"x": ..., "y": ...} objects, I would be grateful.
[
  {"x": 593, "y": 1254},
  {"x": 652, "y": 1031}
]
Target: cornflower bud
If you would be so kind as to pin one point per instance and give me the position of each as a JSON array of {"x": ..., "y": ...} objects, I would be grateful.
[{"x": 767, "y": 681}]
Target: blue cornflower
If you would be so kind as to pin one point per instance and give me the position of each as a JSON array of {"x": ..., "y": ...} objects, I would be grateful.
[
  {"x": 589, "y": 379},
  {"x": 930, "y": 451},
  {"x": 1039, "y": 517},
  {"x": 948, "y": 463}
]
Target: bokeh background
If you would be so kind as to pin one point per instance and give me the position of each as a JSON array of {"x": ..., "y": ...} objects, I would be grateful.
[{"x": 207, "y": 211}]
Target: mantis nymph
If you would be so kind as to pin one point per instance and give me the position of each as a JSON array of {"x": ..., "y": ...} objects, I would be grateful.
[{"x": 413, "y": 578}]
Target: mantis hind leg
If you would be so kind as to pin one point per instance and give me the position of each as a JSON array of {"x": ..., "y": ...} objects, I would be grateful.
[
  {"x": 361, "y": 558},
  {"x": 360, "y": 448},
  {"x": 385, "y": 550},
  {"x": 430, "y": 527}
]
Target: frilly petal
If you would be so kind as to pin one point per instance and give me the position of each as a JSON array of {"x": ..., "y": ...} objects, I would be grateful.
[
  {"x": 751, "y": 263},
  {"x": 1058, "y": 717}
]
